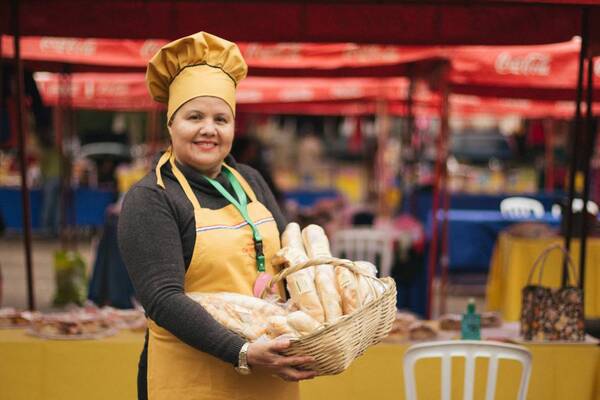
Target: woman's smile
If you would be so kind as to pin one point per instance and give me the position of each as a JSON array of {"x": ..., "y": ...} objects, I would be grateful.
[{"x": 205, "y": 145}]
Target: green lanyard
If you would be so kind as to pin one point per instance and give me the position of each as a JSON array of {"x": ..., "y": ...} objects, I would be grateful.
[{"x": 242, "y": 206}]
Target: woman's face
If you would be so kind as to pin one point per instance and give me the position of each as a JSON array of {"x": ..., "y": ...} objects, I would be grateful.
[{"x": 202, "y": 134}]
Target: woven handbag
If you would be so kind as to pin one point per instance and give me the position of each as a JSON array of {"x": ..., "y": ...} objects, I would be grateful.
[
  {"x": 552, "y": 313},
  {"x": 336, "y": 345}
]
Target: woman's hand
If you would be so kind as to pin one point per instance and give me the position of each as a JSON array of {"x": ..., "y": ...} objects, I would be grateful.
[{"x": 268, "y": 355}]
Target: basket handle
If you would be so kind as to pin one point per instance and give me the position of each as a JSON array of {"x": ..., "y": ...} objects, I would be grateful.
[
  {"x": 541, "y": 261},
  {"x": 284, "y": 273}
]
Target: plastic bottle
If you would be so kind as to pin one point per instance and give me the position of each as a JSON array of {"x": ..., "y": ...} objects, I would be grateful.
[{"x": 470, "y": 326}]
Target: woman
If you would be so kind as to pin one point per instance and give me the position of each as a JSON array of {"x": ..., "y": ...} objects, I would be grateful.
[{"x": 186, "y": 227}]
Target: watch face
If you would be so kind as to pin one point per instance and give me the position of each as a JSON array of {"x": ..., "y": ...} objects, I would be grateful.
[{"x": 243, "y": 370}]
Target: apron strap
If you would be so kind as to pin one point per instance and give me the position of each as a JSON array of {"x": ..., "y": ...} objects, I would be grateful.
[
  {"x": 185, "y": 185},
  {"x": 162, "y": 161},
  {"x": 242, "y": 182}
]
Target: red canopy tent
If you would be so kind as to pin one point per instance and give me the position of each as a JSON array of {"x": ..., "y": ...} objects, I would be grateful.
[
  {"x": 397, "y": 22},
  {"x": 392, "y": 22},
  {"x": 264, "y": 59},
  {"x": 536, "y": 72}
]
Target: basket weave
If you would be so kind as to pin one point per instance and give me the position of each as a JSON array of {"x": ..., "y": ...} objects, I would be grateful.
[{"x": 336, "y": 345}]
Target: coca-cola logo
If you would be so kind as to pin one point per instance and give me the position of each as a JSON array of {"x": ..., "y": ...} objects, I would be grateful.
[
  {"x": 85, "y": 47},
  {"x": 346, "y": 92},
  {"x": 150, "y": 48},
  {"x": 248, "y": 96},
  {"x": 299, "y": 94},
  {"x": 531, "y": 64},
  {"x": 286, "y": 51},
  {"x": 371, "y": 53}
]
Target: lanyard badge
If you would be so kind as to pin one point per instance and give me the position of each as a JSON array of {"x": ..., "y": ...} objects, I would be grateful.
[{"x": 241, "y": 204}]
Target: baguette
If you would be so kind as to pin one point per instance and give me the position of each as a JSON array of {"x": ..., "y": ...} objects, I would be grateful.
[
  {"x": 317, "y": 245},
  {"x": 347, "y": 285},
  {"x": 300, "y": 284}
]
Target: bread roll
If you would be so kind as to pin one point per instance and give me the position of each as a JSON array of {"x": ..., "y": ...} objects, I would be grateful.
[
  {"x": 260, "y": 306},
  {"x": 278, "y": 326},
  {"x": 227, "y": 317},
  {"x": 317, "y": 245},
  {"x": 368, "y": 288},
  {"x": 366, "y": 268},
  {"x": 302, "y": 322},
  {"x": 347, "y": 285},
  {"x": 422, "y": 331}
]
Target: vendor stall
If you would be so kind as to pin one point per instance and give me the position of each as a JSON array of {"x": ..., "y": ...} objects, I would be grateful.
[
  {"x": 511, "y": 263},
  {"x": 33, "y": 369}
]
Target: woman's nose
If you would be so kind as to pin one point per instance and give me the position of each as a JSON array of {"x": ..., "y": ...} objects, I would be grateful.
[{"x": 208, "y": 128}]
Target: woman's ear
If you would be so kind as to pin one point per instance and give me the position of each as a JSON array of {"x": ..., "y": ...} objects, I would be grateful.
[{"x": 169, "y": 128}]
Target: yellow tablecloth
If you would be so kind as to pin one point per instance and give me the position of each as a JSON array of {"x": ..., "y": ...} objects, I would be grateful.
[
  {"x": 36, "y": 369},
  {"x": 512, "y": 260}
]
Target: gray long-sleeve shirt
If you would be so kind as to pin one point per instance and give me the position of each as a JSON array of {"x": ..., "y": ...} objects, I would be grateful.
[{"x": 156, "y": 239}]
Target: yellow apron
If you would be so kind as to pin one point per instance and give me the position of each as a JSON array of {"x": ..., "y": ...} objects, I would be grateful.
[{"x": 223, "y": 260}]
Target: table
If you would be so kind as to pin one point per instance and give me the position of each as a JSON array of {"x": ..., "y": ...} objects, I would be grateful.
[
  {"x": 422, "y": 201},
  {"x": 36, "y": 369},
  {"x": 512, "y": 260},
  {"x": 473, "y": 233},
  {"x": 90, "y": 205}
]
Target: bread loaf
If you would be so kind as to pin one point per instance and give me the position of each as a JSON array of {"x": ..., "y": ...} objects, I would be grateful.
[
  {"x": 302, "y": 322},
  {"x": 317, "y": 245},
  {"x": 278, "y": 326},
  {"x": 348, "y": 288}
]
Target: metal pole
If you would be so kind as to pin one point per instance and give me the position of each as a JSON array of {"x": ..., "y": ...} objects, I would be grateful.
[
  {"x": 575, "y": 143},
  {"x": 440, "y": 163},
  {"x": 445, "y": 256},
  {"x": 549, "y": 156},
  {"x": 589, "y": 151},
  {"x": 23, "y": 153},
  {"x": 1, "y": 82}
]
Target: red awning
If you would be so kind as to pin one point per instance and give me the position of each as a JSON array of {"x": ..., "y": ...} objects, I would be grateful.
[
  {"x": 537, "y": 72},
  {"x": 391, "y": 22},
  {"x": 264, "y": 59},
  {"x": 352, "y": 96}
]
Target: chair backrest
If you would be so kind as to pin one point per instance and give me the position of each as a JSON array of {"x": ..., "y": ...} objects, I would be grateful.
[
  {"x": 577, "y": 207},
  {"x": 470, "y": 350},
  {"x": 521, "y": 207},
  {"x": 365, "y": 244}
]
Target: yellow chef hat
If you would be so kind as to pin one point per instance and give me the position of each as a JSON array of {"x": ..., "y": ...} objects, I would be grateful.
[{"x": 197, "y": 65}]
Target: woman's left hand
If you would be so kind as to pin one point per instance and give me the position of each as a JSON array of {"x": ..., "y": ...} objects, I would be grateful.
[{"x": 268, "y": 355}]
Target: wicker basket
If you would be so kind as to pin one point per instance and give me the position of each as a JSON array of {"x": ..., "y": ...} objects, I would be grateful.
[{"x": 336, "y": 345}]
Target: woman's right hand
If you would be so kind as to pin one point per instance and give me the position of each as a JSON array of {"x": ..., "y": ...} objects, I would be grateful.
[{"x": 268, "y": 355}]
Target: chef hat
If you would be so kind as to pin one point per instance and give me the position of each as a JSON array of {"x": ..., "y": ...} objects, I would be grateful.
[{"x": 197, "y": 65}]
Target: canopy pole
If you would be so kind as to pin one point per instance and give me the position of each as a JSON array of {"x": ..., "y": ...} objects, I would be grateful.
[
  {"x": 549, "y": 156},
  {"x": 381, "y": 175},
  {"x": 590, "y": 141},
  {"x": 22, "y": 153},
  {"x": 412, "y": 131},
  {"x": 575, "y": 144},
  {"x": 444, "y": 128}
]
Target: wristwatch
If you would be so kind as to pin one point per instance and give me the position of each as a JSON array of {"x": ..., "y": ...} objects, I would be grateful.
[{"x": 242, "y": 367}]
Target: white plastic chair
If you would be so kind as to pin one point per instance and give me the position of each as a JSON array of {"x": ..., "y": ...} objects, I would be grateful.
[
  {"x": 470, "y": 350},
  {"x": 521, "y": 207},
  {"x": 365, "y": 244},
  {"x": 577, "y": 206}
]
